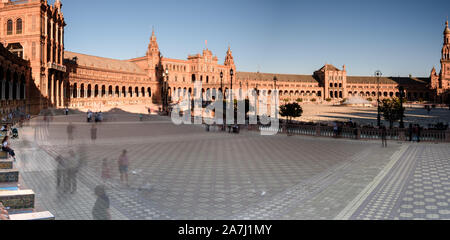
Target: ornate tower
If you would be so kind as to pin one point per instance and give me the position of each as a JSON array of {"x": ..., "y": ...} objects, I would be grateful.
[
  {"x": 229, "y": 60},
  {"x": 445, "y": 60},
  {"x": 154, "y": 58}
]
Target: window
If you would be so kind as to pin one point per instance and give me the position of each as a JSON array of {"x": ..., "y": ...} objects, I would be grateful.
[
  {"x": 9, "y": 27},
  {"x": 19, "y": 26},
  {"x": 33, "y": 51}
]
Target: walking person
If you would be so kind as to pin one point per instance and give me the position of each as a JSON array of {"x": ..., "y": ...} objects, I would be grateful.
[
  {"x": 70, "y": 129},
  {"x": 100, "y": 211},
  {"x": 60, "y": 171},
  {"x": 93, "y": 133},
  {"x": 72, "y": 171},
  {"x": 383, "y": 136},
  {"x": 106, "y": 172},
  {"x": 123, "y": 167},
  {"x": 6, "y": 148}
]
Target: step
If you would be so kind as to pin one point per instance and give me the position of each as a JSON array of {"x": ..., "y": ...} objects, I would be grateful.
[
  {"x": 32, "y": 216},
  {"x": 4, "y": 155},
  {"x": 19, "y": 199},
  {"x": 6, "y": 164},
  {"x": 9, "y": 175},
  {"x": 9, "y": 186}
]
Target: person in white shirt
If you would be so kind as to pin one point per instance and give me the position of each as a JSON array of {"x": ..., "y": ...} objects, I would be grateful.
[{"x": 6, "y": 148}]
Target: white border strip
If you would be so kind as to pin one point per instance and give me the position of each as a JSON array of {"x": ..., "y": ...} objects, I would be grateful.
[{"x": 351, "y": 208}]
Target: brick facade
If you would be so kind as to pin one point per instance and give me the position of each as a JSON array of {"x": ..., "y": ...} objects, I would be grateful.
[{"x": 34, "y": 30}]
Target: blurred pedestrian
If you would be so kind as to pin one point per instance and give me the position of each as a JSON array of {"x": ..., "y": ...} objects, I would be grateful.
[
  {"x": 100, "y": 211},
  {"x": 60, "y": 170},
  {"x": 70, "y": 129},
  {"x": 73, "y": 167},
  {"x": 106, "y": 172},
  {"x": 4, "y": 215},
  {"x": 383, "y": 136},
  {"x": 123, "y": 167},
  {"x": 93, "y": 133}
]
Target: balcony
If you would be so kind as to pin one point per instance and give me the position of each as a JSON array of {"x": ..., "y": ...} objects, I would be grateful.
[{"x": 57, "y": 67}]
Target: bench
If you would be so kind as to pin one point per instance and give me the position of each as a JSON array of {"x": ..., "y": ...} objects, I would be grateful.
[
  {"x": 4, "y": 155},
  {"x": 9, "y": 175},
  {"x": 19, "y": 199},
  {"x": 9, "y": 186},
  {"x": 6, "y": 164},
  {"x": 32, "y": 216}
]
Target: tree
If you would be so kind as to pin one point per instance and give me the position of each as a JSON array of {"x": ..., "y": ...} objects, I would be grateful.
[
  {"x": 392, "y": 110},
  {"x": 291, "y": 110}
]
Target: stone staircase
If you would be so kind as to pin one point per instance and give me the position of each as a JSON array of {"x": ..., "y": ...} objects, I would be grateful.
[{"x": 19, "y": 202}]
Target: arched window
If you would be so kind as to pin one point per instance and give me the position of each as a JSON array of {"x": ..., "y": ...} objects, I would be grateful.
[
  {"x": 19, "y": 26},
  {"x": 9, "y": 27}
]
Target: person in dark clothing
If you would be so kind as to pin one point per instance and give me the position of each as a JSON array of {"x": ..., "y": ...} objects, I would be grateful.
[
  {"x": 6, "y": 148},
  {"x": 383, "y": 136},
  {"x": 410, "y": 132},
  {"x": 100, "y": 211},
  {"x": 93, "y": 133},
  {"x": 60, "y": 170},
  {"x": 73, "y": 166},
  {"x": 419, "y": 129}
]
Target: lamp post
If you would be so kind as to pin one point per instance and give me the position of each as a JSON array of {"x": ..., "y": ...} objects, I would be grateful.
[
  {"x": 275, "y": 79},
  {"x": 402, "y": 92},
  {"x": 165, "y": 93},
  {"x": 378, "y": 74},
  {"x": 221, "y": 84},
  {"x": 231, "y": 82}
]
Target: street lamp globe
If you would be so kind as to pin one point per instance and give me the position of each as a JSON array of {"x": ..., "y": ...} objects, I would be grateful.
[
  {"x": 378, "y": 73},
  {"x": 221, "y": 74},
  {"x": 231, "y": 72}
]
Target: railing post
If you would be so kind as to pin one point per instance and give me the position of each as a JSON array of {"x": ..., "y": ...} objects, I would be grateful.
[
  {"x": 358, "y": 132},
  {"x": 447, "y": 135},
  {"x": 401, "y": 133},
  {"x": 318, "y": 130}
]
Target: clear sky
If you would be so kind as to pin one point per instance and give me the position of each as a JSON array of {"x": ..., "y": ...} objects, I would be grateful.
[{"x": 397, "y": 37}]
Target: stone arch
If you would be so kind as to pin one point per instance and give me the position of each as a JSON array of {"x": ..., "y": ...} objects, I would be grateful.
[
  {"x": 130, "y": 91},
  {"x": 82, "y": 93},
  {"x": 143, "y": 92},
  {"x": 136, "y": 91},
  {"x": 149, "y": 92},
  {"x": 14, "y": 86},
  {"x": 89, "y": 91},
  {"x": 117, "y": 92},
  {"x": 22, "y": 85},
  {"x": 75, "y": 90},
  {"x": 96, "y": 91},
  {"x": 124, "y": 91},
  {"x": 103, "y": 93},
  {"x": 110, "y": 91}
]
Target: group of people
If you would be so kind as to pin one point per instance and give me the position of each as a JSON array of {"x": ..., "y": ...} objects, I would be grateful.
[
  {"x": 66, "y": 172},
  {"x": 123, "y": 164},
  {"x": 97, "y": 116},
  {"x": 414, "y": 131}
]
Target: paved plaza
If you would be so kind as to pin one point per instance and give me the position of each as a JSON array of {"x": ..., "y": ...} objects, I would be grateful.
[
  {"x": 368, "y": 115},
  {"x": 184, "y": 172}
]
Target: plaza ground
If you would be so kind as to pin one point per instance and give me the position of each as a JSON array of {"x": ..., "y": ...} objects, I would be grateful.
[{"x": 184, "y": 172}]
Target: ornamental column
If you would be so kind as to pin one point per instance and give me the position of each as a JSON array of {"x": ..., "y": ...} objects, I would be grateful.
[
  {"x": 57, "y": 92},
  {"x": 10, "y": 90},
  {"x": 52, "y": 88},
  {"x": 3, "y": 89}
]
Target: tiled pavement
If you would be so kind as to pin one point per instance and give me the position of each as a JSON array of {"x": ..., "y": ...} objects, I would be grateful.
[{"x": 183, "y": 172}]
